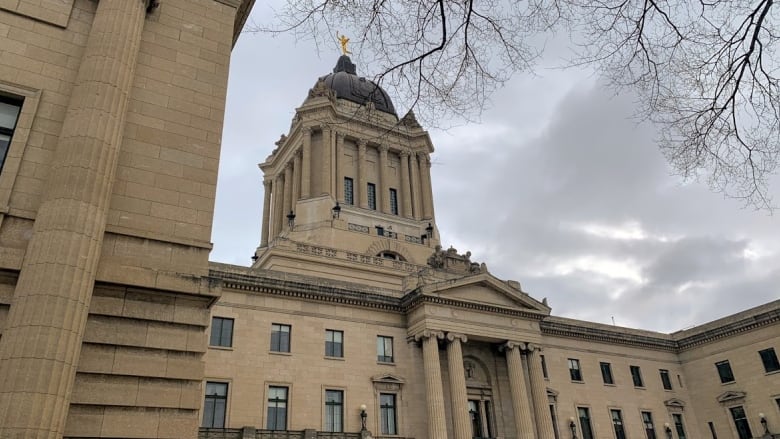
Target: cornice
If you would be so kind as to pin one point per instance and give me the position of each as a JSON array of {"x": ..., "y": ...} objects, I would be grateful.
[
  {"x": 414, "y": 299},
  {"x": 569, "y": 330},
  {"x": 726, "y": 330}
]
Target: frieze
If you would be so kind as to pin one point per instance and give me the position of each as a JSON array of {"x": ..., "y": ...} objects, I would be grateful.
[
  {"x": 357, "y": 228},
  {"x": 413, "y": 239}
]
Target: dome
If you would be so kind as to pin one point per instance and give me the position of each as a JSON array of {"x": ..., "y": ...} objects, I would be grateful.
[{"x": 348, "y": 85}]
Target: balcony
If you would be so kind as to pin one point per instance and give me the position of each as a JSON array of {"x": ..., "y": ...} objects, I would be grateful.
[{"x": 252, "y": 433}]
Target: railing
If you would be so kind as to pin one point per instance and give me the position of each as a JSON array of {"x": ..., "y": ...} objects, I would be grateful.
[
  {"x": 251, "y": 433},
  {"x": 326, "y": 435},
  {"x": 278, "y": 434},
  {"x": 219, "y": 433}
]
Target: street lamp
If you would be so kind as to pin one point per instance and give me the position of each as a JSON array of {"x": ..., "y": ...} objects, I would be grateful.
[
  {"x": 363, "y": 416},
  {"x": 336, "y": 211},
  {"x": 573, "y": 428},
  {"x": 763, "y": 423},
  {"x": 668, "y": 430},
  {"x": 291, "y": 219}
]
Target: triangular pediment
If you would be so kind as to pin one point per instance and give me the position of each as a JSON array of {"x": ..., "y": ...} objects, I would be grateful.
[
  {"x": 674, "y": 403},
  {"x": 485, "y": 289},
  {"x": 731, "y": 396},
  {"x": 388, "y": 378}
]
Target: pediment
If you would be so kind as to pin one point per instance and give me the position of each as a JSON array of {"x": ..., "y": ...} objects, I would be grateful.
[
  {"x": 674, "y": 403},
  {"x": 387, "y": 378},
  {"x": 485, "y": 289},
  {"x": 731, "y": 396}
]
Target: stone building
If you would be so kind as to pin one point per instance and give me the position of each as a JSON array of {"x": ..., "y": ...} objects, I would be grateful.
[
  {"x": 354, "y": 320},
  {"x": 110, "y": 125}
]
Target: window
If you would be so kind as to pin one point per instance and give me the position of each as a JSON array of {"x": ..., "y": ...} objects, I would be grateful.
[
  {"x": 215, "y": 405},
  {"x": 617, "y": 423},
  {"x": 280, "y": 338},
  {"x": 387, "y": 413},
  {"x": 334, "y": 343},
  {"x": 334, "y": 411},
  {"x": 678, "y": 425},
  {"x": 544, "y": 367},
  {"x": 636, "y": 376},
  {"x": 741, "y": 422},
  {"x": 384, "y": 349},
  {"x": 606, "y": 373},
  {"x": 769, "y": 358},
  {"x": 554, "y": 418},
  {"x": 221, "y": 332},
  {"x": 349, "y": 194},
  {"x": 777, "y": 400},
  {"x": 371, "y": 196},
  {"x": 277, "y": 408},
  {"x": 393, "y": 201},
  {"x": 665, "y": 381},
  {"x": 9, "y": 114},
  {"x": 647, "y": 421},
  {"x": 724, "y": 372},
  {"x": 476, "y": 419},
  {"x": 587, "y": 430},
  {"x": 712, "y": 430},
  {"x": 574, "y": 369}
]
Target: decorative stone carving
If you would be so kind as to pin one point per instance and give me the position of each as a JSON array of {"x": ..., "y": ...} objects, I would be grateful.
[
  {"x": 450, "y": 260},
  {"x": 410, "y": 120},
  {"x": 321, "y": 89},
  {"x": 282, "y": 139}
]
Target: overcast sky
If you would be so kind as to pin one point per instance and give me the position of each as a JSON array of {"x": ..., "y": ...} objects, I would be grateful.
[{"x": 557, "y": 188}]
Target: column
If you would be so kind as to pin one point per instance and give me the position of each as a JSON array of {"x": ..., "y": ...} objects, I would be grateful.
[
  {"x": 406, "y": 195},
  {"x": 460, "y": 404},
  {"x": 327, "y": 153},
  {"x": 296, "y": 179},
  {"x": 266, "y": 213},
  {"x": 287, "y": 193},
  {"x": 40, "y": 347},
  {"x": 434, "y": 393},
  {"x": 361, "y": 188},
  {"x": 340, "y": 167},
  {"x": 306, "y": 163},
  {"x": 414, "y": 171},
  {"x": 425, "y": 179},
  {"x": 522, "y": 411},
  {"x": 278, "y": 212},
  {"x": 542, "y": 416},
  {"x": 384, "y": 183}
]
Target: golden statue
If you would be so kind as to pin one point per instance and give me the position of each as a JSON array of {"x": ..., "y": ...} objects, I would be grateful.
[{"x": 343, "y": 40}]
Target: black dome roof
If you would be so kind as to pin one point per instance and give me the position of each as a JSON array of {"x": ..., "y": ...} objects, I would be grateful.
[{"x": 348, "y": 85}]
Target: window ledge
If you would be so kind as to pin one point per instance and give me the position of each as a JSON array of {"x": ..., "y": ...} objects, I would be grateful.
[
  {"x": 772, "y": 372},
  {"x": 610, "y": 384},
  {"x": 386, "y": 363},
  {"x": 221, "y": 348},
  {"x": 578, "y": 381},
  {"x": 285, "y": 354},
  {"x": 334, "y": 358},
  {"x": 640, "y": 387},
  {"x": 728, "y": 383}
]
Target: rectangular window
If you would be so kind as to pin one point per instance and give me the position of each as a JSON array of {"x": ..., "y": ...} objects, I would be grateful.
[
  {"x": 724, "y": 371},
  {"x": 678, "y": 425},
  {"x": 384, "y": 349},
  {"x": 647, "y": 421},
  {"x": 9, "y": 115},
  {"x": 221, "y": 332},
  {"x": 769, "y": 358},
  {"x": 387, "y": 413},
  {"x": 544, "y": 367},
  {"x": 606, "y": 373},
  {"x": 617, "y": 423},
  {"x": 574, "y": 369},
  {"x": 280, "y": 338},
  {"x": 393, "y": 201},
  {"x": 741, "y": 422},
  {"x": 712, "y": 430},
  {"x": 334, "y": 343},
  {"x": 277, "y": 408},
  {"x": 371, "y": 196},
  {"x": 665, "y": 380},
  {"x": 349, "y": 194},
  {"x": 585, "y": 427},
  {"x": 554, "y": 418},
  {"x": 215, "y": 405},
  {"x": 334, "y": 411},
  {"x": 636, "y": 376}
]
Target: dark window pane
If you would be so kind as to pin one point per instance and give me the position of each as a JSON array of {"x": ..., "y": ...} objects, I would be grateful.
[
  {"x": 617, "y": 423},
  {"x": 678, "y": 425},
  {"x": 215, "y": 405},
  {"x": 574, "y": 369},
  {"x": 280, "y": 338},
  {"x": 606, "y": 373},
  {"x": 371, "y": 196},
  {"x": 724, "y": 372},
  {"x": 384, "y": 349},
  {"x": 393, "y": 202},
  {"x": 544, "y": 366},
  {"x": 647, "y": 420},
  {"x": 585, "y": 427},
  {"x": 769, "y": 358},
  {"x": 387, "y": 413},
  {"x": 741, "y": 422},
  {"x": 348, "y": 191},
  {"x": 665, "y": 381},
  {"x": 636, "y": 376}
]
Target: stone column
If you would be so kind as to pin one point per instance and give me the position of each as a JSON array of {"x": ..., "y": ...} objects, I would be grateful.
[
  {"x": 287, "y": 193},
  {"x": 266, "y": 213},
  {"x": 460, "y": 403},
  {"x": 296, "y": 182},
  {"x": 434, "y": 393},
  {"x": 41, "y": 344},
  {"x": 306, "y": 163},
  {"x": 425, "y": 179},
  {"x": 340, "y": 167},
  {"x": 383, "y": 192},
  {"x": 278, "y": 211},
  {"x": 362, "y": 191},
  {"x": 520, "y": 402},
  {"x": 327, "y": 153},
  {"x": 542, "y": 416},
  {"x": 416, "y": 189},
  {"x": 406, "y": 194}
]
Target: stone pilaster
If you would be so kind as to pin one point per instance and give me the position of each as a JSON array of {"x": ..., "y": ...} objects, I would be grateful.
[
  {"x": 41, "y": 344},
  {"x": 383, "y": 193},
  {"x": 266, "y": 213},
  {"x": 362, "y": 184},
  {"x": 434, "y": 393},
  {"x": 425, "y": 179},
  {"x": 287, "y": 192},
  {"x": 460, "y": 403},
  {"x": 327, "y": 155},
  {"x": 296, "y": 182},
  {"x": 339, "y": 167},
  {"x": 414, "y": 172},
  {"x": 542, "y": 416},
  {"x": 278, "y": 210},
  {"x": 520, "y": 401},
  {"x": 306, "y": 163},
  {"x": 406, "y": 194}
]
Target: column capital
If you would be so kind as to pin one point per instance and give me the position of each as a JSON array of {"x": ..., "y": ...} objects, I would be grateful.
[
  {"x": 324, "y": 126},
  {"x": 306, "y": 129},
  {"x": 403, "y": 153},
  {"x": 266, "y": 183},
  {"x": 289, "y": 165},
  {"x": 530, "y": 347},
  {"x": 511, "y": 345},
  {"x": 361, "y": 144},
  {"x": 452, "y": 336},
  {"x": 428, "y": 333},
  {"x": 383, "y": 148}
]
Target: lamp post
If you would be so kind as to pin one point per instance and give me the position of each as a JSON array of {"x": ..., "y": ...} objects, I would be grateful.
[
  {"x": 336, "y": 211},
  {"x": 291, "y": 219},
  {"x": 573, "y": 428},
  {"x": 762, "y": 417},
  {"x": 363, "y": 416},
  {"x": 668, "y": 430}
]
